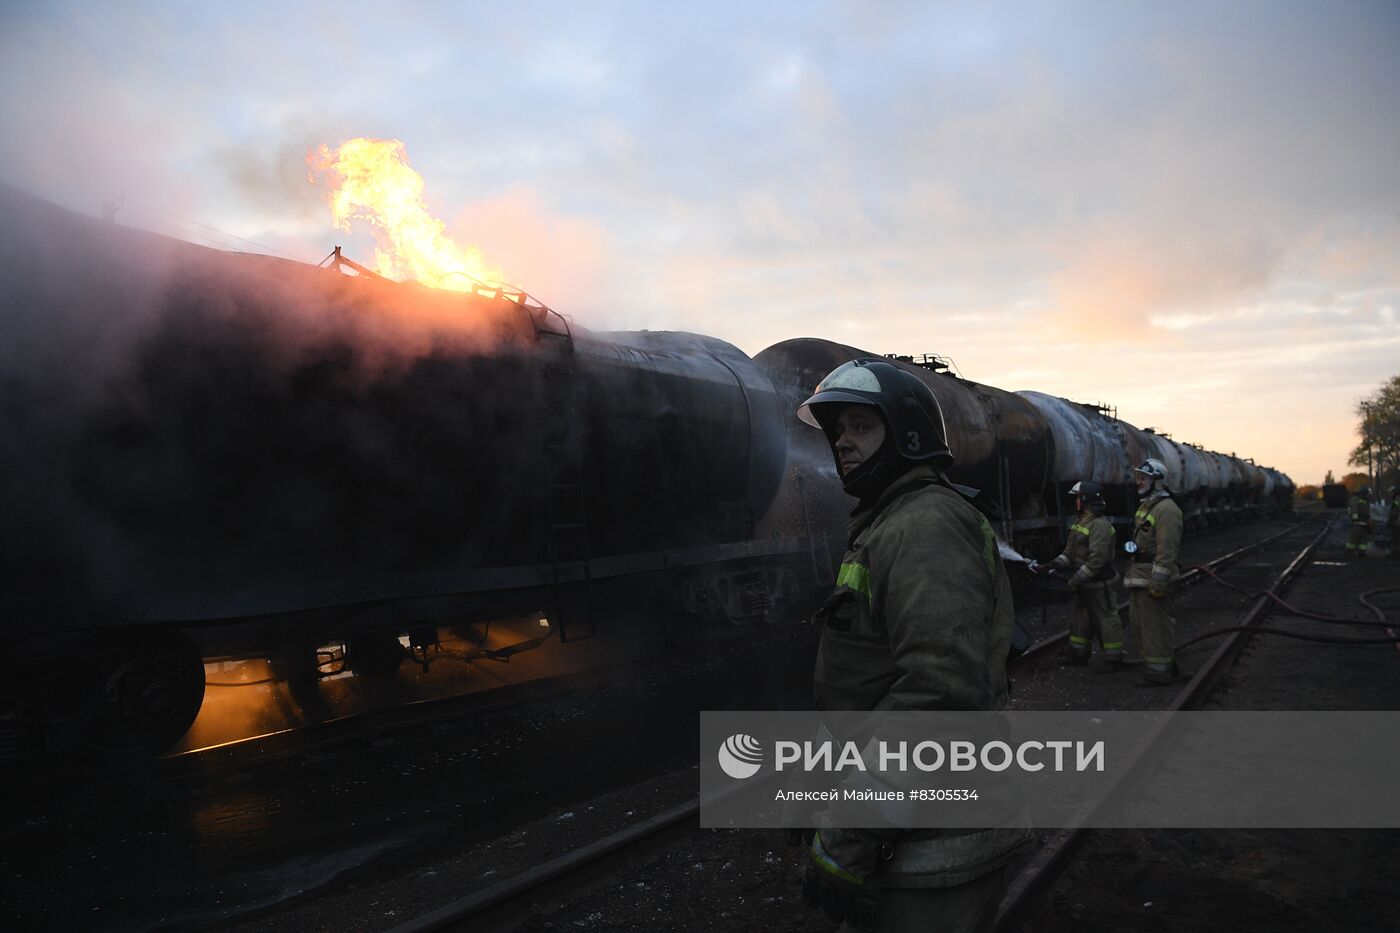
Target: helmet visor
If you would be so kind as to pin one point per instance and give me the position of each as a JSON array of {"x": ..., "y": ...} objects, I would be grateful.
[{"x": 850, "y": 382}]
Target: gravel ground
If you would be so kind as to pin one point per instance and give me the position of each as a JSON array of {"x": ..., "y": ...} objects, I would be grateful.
[{"x": 1227, "y": 880}]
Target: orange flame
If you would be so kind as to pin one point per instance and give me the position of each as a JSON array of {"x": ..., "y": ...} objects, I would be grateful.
[{"x": 371, "y": 180}]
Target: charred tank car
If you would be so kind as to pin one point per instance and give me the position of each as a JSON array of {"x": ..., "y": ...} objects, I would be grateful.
[
  {"x": 217, "y": 455},
  {"x": 209, "y": 455}
]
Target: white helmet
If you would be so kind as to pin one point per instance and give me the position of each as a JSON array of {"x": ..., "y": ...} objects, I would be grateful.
[{"x": 1154, "y": 469}]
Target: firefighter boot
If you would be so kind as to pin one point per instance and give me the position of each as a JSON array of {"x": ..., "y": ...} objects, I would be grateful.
[{"x": 1108, "y": 664}]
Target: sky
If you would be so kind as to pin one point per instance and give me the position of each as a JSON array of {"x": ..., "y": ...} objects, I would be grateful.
[{"x": 1188, "y": 211}]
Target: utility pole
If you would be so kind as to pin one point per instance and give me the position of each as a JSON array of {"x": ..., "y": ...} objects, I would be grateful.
[{"x": 1366, "y": 433}]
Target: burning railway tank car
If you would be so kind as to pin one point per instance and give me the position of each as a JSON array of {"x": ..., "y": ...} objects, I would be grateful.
[
  {"x": 213, "y": 455},
  {"x": 209, "y": 455}
]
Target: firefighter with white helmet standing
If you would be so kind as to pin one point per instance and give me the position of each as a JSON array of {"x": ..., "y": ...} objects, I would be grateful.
[
  {"x": 1087, "y": 563},
  {"x": 1155, "y": 548}
]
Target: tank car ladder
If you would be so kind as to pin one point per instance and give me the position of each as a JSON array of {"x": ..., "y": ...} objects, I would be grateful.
[{"x": 572, "y": 599}]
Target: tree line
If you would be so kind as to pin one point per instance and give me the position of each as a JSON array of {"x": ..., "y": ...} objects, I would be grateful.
[{"x": 1379, "y": 449}]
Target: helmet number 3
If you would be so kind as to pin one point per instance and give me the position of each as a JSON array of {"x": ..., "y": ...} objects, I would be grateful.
[{"x": 913, "y": 443}]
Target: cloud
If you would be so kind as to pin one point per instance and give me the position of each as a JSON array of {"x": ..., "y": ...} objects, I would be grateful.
[
  {"x": 1057, "y": 200},
  {"x": 565, "y": 261}
]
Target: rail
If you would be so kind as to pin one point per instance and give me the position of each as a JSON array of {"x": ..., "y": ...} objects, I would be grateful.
[{"x": 1052, "y": 857}]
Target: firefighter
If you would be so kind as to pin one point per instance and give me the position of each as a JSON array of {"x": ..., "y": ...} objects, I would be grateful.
[
  {"x": 1155, "y": 547},
  {"x": 920, "y": 620},
  {"x": 1087, "y": 562},
  {"x": 1392, "y": 519},
  {"x": 1359, "y": 511}
]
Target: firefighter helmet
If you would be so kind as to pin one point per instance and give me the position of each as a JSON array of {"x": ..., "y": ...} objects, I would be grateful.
[
  {"x": 1091, "y": 492},
  {"x": 1153, "y": 469},
  {"x": 911, "y": 411}
]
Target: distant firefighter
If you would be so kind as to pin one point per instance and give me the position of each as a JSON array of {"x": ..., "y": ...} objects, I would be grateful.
[
  {"x": 1155, "y": 547},
  {"x": 1359, "y": 511},
  {"x": 1087, "y": 561},
  {"x": 1392, "y": 520}
]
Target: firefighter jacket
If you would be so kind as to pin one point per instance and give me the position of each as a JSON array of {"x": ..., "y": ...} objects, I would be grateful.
[
  {"x": 1157, "y": 534},
  {"x": 1359, "y": 510},
  {"x": 1089, "y": 552},
  {"x": 921, "y": 620}
]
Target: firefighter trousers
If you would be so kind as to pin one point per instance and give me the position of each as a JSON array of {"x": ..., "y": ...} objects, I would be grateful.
[
  {"x": 1359, "y": 539},
  {"x": 1095, "y": 613},
  {"x": 1155, "y": 622}
]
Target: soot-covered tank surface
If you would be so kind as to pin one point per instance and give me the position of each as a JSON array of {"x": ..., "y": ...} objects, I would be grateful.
[{"x": 210, "y": 456}]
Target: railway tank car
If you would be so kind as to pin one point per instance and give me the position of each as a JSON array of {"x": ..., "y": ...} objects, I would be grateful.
[
  {"x": 1021, "y": 451},
  {"x": 1001, "y": 445},
  {"x": 209, "y": 455}
]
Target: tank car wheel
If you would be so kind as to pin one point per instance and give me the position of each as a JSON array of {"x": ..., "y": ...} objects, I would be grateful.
[{"x": 146, "y": 693}]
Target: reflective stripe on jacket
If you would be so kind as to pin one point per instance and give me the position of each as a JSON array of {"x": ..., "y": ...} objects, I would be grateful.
[
  {"x": 1089, "y": 551},
  {"x": 1157, "y": 533}
]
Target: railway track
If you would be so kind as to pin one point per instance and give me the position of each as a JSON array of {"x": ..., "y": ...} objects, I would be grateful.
[
  {"x": 364, "y": 749},
  {"x": 503, "y": 905},
  {"x": 42, "y": 785},
  {"x": 1036, "y": 876}
]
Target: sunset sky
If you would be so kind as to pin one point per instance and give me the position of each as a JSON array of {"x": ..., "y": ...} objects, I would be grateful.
[{"x": 1189, "y": 211}]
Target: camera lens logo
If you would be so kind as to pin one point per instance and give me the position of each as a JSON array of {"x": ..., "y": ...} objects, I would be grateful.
[{"x": 741, "y": 756}]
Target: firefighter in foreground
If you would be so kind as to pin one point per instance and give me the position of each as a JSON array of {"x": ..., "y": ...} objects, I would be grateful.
[
  {"x": 1359, "y": 511},
  {"x": 1087, "y": 563},
  {"x": 920, "y": 620},
  {"x": 1155, "y": 547}
]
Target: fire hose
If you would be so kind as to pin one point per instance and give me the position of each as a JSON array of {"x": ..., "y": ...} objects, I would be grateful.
[{"x": 1290, "y": 609}]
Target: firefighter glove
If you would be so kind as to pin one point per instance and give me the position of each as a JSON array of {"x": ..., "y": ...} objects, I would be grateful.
[
  {"x": 840, "y": 876},
  {"x": 1158, "y": 587}
]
